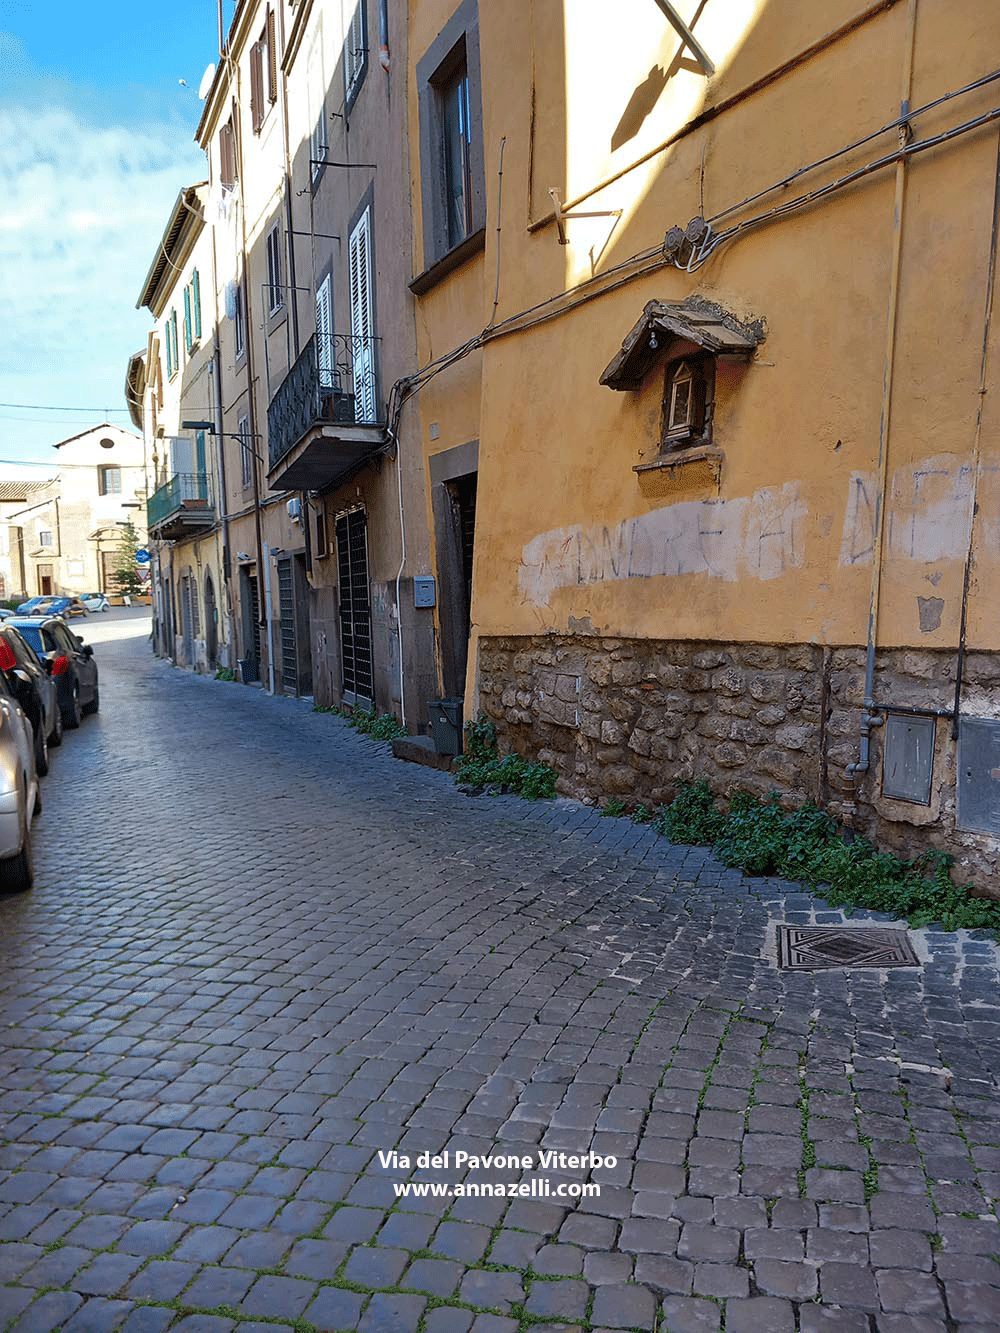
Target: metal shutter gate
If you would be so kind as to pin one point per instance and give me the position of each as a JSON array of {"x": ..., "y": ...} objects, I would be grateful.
[
  {"x": 355, "y": 609},
  {"x": 286, "y": 611}
]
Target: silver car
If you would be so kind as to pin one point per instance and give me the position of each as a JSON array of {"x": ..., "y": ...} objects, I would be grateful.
[{"x": 20, "y": 793}]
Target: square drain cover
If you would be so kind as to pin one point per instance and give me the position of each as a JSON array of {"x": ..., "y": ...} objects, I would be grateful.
[{"x": 812, "y": 947}]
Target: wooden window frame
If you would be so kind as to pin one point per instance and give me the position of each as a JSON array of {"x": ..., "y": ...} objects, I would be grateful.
[{"x": 697, "y": 369}]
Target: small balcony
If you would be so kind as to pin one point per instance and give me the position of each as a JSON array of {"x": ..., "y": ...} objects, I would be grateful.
[
  {"x": 325, "y": 419},
  {"x": 182, "y": 507}
]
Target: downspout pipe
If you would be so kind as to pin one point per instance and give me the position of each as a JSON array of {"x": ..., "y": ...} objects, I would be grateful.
[
  {"x": 869, "y": 718},
  {"x": 991, "y": 270}
]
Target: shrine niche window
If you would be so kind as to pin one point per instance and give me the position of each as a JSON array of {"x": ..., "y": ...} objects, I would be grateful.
[{"x": 688, "y": 402}]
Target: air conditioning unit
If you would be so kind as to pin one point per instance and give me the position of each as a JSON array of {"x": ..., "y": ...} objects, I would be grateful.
[{"x": 294, "y": 507}]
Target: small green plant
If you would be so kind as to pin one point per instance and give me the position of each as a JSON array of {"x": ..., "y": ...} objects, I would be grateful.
[
  {"x": 224, "y": 673},
  {"x": 692, "y": 816},
  {"x": 643, "y": 815},
  {"x": 379, "y": 726},
  {"x": 480, "y": 739},
  {"x": 481, "y": 767},
  {"x": 613, "y": 807},
  {"x": 805, "y": 845}
]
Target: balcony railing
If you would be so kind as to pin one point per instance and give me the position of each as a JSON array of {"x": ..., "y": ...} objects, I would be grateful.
[
  {"x": 333, "y": 381},
  {"x": 187, "y": 496}
]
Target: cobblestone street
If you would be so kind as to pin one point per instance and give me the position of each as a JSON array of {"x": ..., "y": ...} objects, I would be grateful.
[{"x": 260, "y": 950}]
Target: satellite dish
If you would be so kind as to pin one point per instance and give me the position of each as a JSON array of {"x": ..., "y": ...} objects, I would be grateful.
[{"x": 206, "y": 82}]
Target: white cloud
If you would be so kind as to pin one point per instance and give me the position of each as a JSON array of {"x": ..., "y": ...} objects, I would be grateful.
[{"x": 84, "y": 200}]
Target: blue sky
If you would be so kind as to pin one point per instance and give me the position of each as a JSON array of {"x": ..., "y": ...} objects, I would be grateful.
[{"x": 95, "y": 143}]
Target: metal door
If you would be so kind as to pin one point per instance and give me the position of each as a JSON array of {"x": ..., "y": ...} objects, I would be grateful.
[
  {"x": 355, "y": 607},
  {"x": 286, "y": 628}
]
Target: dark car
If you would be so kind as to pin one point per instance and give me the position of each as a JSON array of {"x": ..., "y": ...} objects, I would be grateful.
[
  {"x": 70, "y": 663},
  {"x": 29, "y": 682}
]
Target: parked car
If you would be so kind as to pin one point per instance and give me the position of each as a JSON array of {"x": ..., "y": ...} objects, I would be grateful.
[
  {"x": 52, "y": 606},
  {"x": 70, "y": 663},
  {"x": 34, "y": 689},
  {"x": 95, "y": 601},
  {"x": 20, "y": 790}
]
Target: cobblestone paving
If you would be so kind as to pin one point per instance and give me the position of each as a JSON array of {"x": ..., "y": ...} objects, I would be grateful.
[{"x": 260, "y": 951}]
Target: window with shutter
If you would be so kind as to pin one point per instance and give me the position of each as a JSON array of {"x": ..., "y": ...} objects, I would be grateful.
[
  {"x": 272, "y": 66},
  {"x": 363, "y": 343},
  {"x": 324, "y": 335},
  {"x": 188, "y": 328},
  {"x": 239, "y": 332},
  {"x": 227, "y": 155},
  {"x": 355, "y": 54},
  {"x": 318, "y": 141},
  {"x": 257, "y": 86},
  {"x": 196, "y": 304},
  {"x": 246, "y": 457},
  {"x": 275, "y": 296}
]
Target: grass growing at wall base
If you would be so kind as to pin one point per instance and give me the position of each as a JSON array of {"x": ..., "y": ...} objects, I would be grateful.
[
  {"x": 481, "y": 768},
  {"x": 379, "y": 726},
  {"x": 806, "y": 845}
]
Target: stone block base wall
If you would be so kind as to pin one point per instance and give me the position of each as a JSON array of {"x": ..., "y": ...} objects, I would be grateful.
[{"x": 633, "y": 719}]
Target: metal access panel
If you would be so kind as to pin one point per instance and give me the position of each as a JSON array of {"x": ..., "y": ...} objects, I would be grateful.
[
  {"x": 423, "y": 590},
  {"x": 908, "y": 758},
  {"x": 979, "y": 774}
]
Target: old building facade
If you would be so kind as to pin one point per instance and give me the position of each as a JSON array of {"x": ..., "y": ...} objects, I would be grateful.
[
  {"x": 627, "y": 381},
  {"x": 66, "y": 536},
  {"x": 173, "y": 393},
  {"x": 738, "y": 458}
]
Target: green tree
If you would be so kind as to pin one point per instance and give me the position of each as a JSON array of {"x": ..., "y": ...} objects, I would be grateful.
[{"x": 124, "y": 575}]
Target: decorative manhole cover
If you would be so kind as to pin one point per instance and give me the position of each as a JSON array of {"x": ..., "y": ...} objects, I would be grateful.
[{"x": 811, "y": 947}]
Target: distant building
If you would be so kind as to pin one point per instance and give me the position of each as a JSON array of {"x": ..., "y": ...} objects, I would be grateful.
[{"x": 63, "y": 535}]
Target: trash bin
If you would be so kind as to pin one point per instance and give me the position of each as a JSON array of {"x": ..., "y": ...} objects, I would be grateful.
[
  {"x": 249, "y": 670},
  {"x": 446, "y": 725}
]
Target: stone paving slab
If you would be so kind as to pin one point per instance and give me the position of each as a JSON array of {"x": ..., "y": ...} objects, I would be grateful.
[{"x": 262, "y": 956}]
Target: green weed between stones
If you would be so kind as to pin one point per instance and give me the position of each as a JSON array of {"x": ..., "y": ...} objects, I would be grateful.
[
  {"x": 806, "y": 845},
  {"x": 379, "y": 726},
  {"x": 482, "y": 769}
]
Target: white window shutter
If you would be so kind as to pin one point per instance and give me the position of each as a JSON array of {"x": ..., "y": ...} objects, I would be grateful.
[
  {"x": 361, "y": 319},
  {"x": 324, "y": 335}
]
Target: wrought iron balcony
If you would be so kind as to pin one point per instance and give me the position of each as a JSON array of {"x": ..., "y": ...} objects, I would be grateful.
[
  {"x": 183, "y": 505},
  {"x": 331, "y": 389}
]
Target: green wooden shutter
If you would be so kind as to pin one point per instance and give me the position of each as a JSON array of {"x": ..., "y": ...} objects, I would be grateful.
[
  {"x": 188, "y": 334},
  {"x": 196, "y": 302}
]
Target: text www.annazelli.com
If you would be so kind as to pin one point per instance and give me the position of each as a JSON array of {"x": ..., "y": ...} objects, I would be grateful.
[{"x": 537, "y": 1188}]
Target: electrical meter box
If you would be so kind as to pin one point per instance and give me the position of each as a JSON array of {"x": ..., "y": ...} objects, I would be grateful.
[{"x": 423, "y": 590}]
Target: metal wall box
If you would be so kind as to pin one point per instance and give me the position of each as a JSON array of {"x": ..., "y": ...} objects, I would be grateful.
[
  {"x": 979, "y": 774},
  {"x": 908, "y": 758},
  {"x": 423, "y": 590}
]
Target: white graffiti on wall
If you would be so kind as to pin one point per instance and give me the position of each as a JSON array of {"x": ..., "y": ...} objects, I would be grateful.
[
  {"x": 760, "y": 535},
  {"x": 928, "y": 512}
]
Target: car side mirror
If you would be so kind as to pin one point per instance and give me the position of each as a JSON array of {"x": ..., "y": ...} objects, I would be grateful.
[
  {"x": 47, "y": 664},
  {"x": 87, "y": 651}
]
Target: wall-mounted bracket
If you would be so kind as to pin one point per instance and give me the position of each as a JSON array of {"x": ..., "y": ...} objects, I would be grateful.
[
  {"x": 562, "y": 217},
  {"x": 687, "y": 37}
]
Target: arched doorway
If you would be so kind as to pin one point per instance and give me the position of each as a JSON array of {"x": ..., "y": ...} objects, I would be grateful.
[{"x": 211, "y": 624}]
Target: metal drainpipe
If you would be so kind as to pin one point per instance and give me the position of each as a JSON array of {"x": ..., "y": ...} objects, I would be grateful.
[
  {"x": 991, "y": 270},
  {"x": 263, "y": 573},
  {"x": 868, "y": 719}
]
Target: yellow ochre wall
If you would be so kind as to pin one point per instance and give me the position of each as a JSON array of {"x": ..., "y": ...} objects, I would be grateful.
[{"x": 780, "y": 549}]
